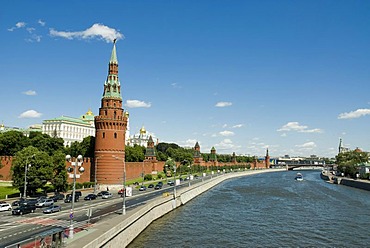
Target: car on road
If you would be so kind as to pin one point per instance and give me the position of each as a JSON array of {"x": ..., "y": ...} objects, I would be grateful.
[
  {"x": 5, "y": 207},
  {"x": 69, "y": 198},
  {"x": 158, "y": 186},
  {"x": 142, "y": 188},
  {"x": 90, "y": 197},
  {"x": 45, "y": 203},
  {"x": 171, "y": 183},
  {"x": 57, "y": 197},
  {"x": 101, "y": 193},
  {"x": 106, "y": 195},
  {"x": 151, "y": 186},
  {"x": 24, "y": 209},
  {"x": 18, "y": 202},
  {"x": 52, "y": 209},
  {"x": 160, "y": 183}
]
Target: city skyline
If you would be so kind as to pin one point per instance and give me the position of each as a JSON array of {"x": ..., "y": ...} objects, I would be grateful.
[{"x": 241, "y": 77}]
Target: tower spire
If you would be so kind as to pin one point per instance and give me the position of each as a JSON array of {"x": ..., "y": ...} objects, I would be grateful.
[{"x": 112, "y": 86}]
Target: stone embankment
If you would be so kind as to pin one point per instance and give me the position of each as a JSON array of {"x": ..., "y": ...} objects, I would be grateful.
[
  {"x": 119, "y": 231},
  {"x": 355, "y": 183}
]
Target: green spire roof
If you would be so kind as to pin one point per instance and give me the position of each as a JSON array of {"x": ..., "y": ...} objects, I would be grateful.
[
  {"x": 113, "y": 57},
  {"x": 112, "y": 86}
]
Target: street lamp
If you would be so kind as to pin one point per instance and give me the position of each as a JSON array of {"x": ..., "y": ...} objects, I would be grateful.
[
  {"x": 25, "y": 176},
  {"x": 174, "y": 183},
  {"x": 124, "y": 185},
  {"x": 95, "y": 170},
  {"x": 77, "y": 163}
]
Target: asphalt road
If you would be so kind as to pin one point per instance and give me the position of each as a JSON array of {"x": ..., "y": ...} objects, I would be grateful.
[{"x": 15, "y": 229}]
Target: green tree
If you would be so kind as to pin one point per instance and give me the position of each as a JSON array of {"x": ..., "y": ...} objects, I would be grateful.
[
  {"x": 85, "y": 148},
  {"x": 39, "y": 172},
  {"x": 348, "y": 161},
  {"x": 44, "y": 142},
  {"x": 135, "y": 153},
  {"x": 11, "y": 142},
  {"x": 59, "y": 180}
]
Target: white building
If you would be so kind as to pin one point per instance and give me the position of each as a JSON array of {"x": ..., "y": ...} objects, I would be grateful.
[
  {"x": 140, "y": 138},
  {"x": 70, "y": 129}
]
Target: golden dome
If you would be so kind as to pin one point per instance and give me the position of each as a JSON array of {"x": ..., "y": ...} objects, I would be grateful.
[
  {"x": 127, "y": 114},
  {"x": 89, "y": 112},
  {"x": 142, "y": 130}
]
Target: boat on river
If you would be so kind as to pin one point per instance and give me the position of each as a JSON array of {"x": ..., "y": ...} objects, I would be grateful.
[{"x": 299, "y": 177}]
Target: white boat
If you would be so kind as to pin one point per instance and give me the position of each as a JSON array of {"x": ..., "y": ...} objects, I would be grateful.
[{"x": 299, "y": 177}]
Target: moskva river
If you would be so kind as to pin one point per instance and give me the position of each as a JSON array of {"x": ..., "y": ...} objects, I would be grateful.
[{"x": 267, "y": 210}]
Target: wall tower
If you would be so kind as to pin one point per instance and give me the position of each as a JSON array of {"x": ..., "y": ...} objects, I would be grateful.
[{"x": 110, "y": 128}]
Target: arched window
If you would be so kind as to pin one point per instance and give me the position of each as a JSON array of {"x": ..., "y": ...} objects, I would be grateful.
[
  {"x": 103, "y": 135},
  {"x": 115, "y": 135}
]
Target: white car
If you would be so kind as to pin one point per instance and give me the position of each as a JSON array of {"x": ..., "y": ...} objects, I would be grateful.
[
  {"x": 5, "y": 207},
  {"x": 45, "y": 203},
  {"x": 106, "y": 195}
]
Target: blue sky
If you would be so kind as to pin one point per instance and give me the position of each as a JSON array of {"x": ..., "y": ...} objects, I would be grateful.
[{"x": 242, "y": 76}]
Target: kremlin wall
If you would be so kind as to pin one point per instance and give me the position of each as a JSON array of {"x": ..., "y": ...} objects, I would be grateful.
[{"x": 134, "y": 170}]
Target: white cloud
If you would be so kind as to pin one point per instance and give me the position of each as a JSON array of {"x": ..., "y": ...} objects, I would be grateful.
[
  {"x": 34, "y": 37},
  {"x": 307, "y": 145},
  {"x": 17, "y": 25},
  {"x": 295, "y": 126},
  {"x": 30, "y": 114},
  {"x": 224, "y": 125},
  {"x": 29, "y": 93},
  {"x": 354, "y": 114},
  {"x": 223, "y": 104},
  {"x": 97, "y": 30},
  {"x": 137, "y": 104},
  {"x": 238, "y": 126},
  {"x": 226, "y": 144},
  {"x": 42, "y": 23},
  {"x": 226, "y": 133},
  {"x": 176, "y": 86}
]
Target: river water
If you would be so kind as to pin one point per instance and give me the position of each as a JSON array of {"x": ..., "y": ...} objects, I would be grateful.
[{"x": 267, "y": 210}]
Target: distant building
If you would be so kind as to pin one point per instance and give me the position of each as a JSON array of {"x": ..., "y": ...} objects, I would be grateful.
[
  {"x": 341, "y": 148},
  {"x": 26, "y": 132},
  {"x": 70, "y": 129},
  {"x": 140, "y": 138}
]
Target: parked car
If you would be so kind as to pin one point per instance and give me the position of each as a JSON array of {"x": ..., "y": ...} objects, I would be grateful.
[
  {"x": 151, "y": 186},
  {"x": 57, "y": 197},
  {"x": 107, "y": 195},
  {"x": 5, "y": 207},
  {"x": 142, "y": 188},
  {"x": 52, "y": 209},
  {"x": 160, "y": 183},
  {"x": 101, "y": 193},
  {"x": 45, "y": 203},
  {"x": 171, "y": 183},
  {"x": 158, "y": 186},
  {"x": 18, "y": 202},
  {"x": 90, "y": 197},
  {"x": 24, "y": 209},
  {"x": 68, "y": 198},
  {"x": 79, "y": 193}
]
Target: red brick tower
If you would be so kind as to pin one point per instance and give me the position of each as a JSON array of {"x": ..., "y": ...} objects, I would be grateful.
[
  {"x": 267, "y": 159},
  {"x": 197, "y": 156},
  {"x": 110, "y": 128}
]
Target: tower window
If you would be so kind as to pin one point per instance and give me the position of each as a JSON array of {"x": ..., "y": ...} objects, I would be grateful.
[
  {"x": 103, "y": 135},
  {"x": 115, "y": 135},
  {"x": 115, "y": 114}
]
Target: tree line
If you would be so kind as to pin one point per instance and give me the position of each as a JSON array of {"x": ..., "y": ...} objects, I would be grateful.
[{"x": 46, "y": 157}]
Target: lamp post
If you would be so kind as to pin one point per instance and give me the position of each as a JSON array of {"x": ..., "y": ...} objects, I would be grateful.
[
  {"x": 25, "y": 176},
  {"x": 124, "y": 185},
  {"x": 95, "y": 170},
  {"x": 77, "y": 163},
  {"x": 174, "y": 183}
]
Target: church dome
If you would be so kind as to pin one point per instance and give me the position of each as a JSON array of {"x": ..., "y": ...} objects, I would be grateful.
[{"x": 142, "y": 130}]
